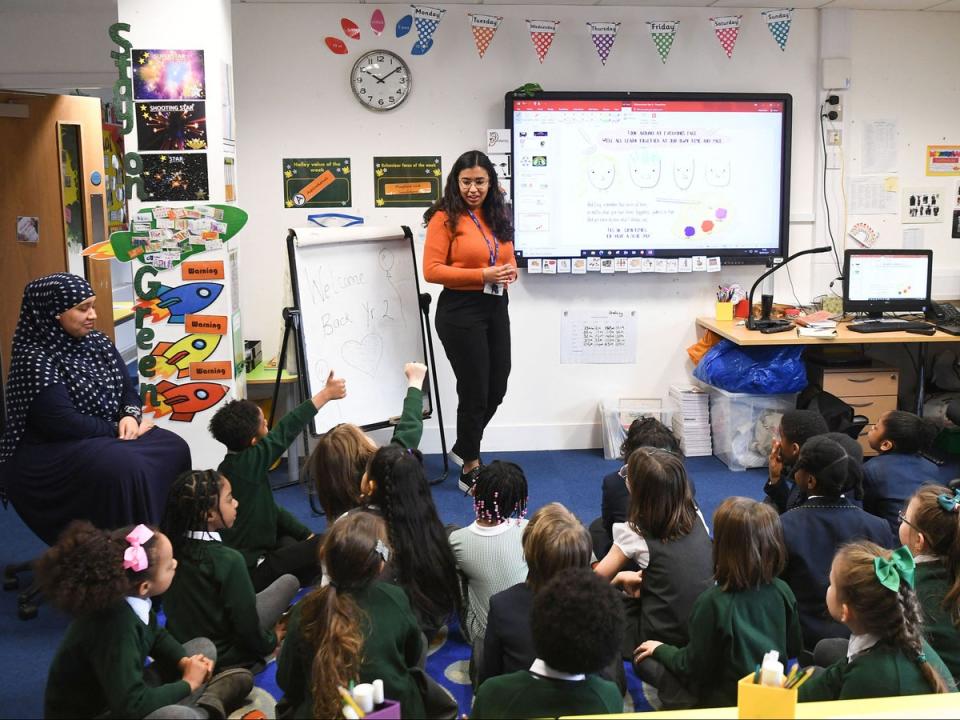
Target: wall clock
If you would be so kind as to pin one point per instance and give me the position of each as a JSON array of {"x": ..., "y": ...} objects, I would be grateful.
[{"x": 380, "y": 80}]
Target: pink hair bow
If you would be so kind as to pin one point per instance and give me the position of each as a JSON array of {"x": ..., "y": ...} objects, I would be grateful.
[{"x": 135, "y": 557}]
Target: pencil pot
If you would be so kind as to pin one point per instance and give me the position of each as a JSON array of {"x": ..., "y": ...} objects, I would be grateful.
[
  {"x": 724, "y": 311},
  {"x": 764, "y": 701}
]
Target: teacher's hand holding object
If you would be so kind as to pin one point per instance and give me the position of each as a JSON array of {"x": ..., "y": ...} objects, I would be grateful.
[
  {"x": 75, "y": 445},
  {"x": 469, "y": 250}
]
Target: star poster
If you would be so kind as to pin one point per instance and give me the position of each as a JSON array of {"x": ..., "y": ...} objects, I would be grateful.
[
  {"x": 662, "y": 32},
  {"x": 414, "y": 181},
  {"x": 316, "y": 183},
  {"x": 178, "y": 125},
  {"x": 175, "y": 176},
  {"x": 778, "y": 22},
  {"x": 604, "y": 34},
  {"x": 168, "y": 75}
]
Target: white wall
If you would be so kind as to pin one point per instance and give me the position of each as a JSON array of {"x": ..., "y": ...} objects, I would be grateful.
[{"x": 294, "y": 100}]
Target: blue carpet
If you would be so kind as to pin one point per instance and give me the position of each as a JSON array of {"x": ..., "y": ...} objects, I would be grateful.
[{"x": 568, "y": 476}]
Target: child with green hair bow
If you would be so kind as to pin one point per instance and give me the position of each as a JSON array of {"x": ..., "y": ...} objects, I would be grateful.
[{"x": 872, "y": 593}]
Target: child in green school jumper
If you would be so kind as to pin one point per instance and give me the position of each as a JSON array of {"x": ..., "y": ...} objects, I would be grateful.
[
  {"x": 273, "y": 542},
  {"x": 871, "y": 592},
  {"x": 577, "y": 622},
  {"x": 212, "y": 594},
  {"x": 340, "y": 457},
  {"x": 749, "y": 612},
  {"x": 931, "y": 529},
  {"x": 105, "y": 580},
  {"x": 356, "y": 628}
]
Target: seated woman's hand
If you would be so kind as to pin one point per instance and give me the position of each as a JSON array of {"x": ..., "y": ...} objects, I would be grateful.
[{"x": 128, "y": 428}]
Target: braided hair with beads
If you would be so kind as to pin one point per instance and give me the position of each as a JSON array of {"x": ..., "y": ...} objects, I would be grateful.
[{"x": 500, "y": 492}]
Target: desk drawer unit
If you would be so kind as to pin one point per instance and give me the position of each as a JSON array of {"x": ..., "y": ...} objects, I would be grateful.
[{"x": 869, "y": 391}]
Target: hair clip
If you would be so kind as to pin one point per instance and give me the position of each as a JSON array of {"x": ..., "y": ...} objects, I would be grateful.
[
  {"x": 900, "y": 566},
  {"x": 950, "y": 504},
  {"x": 921, "y": 658},
  {"x": 135, "y": 557},
  {"x": 382, "y": 550}
]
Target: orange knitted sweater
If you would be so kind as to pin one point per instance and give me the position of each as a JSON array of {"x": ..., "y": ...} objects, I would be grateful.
[{"x": 456, "y": 260}]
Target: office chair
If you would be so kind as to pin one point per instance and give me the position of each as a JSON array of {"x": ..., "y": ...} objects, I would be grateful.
[
  {"x": 839, "y": 415},
  {"x": 29, "y": 599}
]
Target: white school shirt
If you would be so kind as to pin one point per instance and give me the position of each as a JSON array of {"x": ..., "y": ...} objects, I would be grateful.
[{"x": 634, "y": 545}]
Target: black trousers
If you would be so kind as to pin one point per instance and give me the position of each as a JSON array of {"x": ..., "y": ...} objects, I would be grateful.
[
  {"x": 475, "y": 331},
  {"x": 300, "y": 558}
]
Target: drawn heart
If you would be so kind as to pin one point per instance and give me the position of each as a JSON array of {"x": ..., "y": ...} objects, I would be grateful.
[{"x": 363, "y": 355}]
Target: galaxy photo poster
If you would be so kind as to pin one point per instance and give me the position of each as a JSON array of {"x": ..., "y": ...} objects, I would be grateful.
[{"x": 172, "y": 124}]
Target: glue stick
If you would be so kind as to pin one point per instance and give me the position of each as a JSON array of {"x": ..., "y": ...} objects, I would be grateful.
[{"x": 771, "y": 670}]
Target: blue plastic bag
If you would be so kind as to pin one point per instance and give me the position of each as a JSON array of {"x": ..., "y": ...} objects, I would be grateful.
[{"x": 756, "y": 370}]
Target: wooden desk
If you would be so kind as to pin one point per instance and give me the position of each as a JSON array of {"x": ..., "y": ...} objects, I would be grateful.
[
  {"x": 911, "y": 706},
  {"x": 736, "y": 332}
]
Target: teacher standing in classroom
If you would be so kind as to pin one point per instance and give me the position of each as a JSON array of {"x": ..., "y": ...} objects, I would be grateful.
[{"x": 469, "y": 250}]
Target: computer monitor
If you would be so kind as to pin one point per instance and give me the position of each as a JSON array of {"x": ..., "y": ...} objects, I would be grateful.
[{"x": 879, "y": 281}]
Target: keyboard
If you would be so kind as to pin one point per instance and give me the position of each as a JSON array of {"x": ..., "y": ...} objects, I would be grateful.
[{"x": 879, "y": 326}]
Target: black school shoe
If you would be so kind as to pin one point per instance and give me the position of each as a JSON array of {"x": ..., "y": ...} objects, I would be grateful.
[
  {"x": 468, "y": 480},
  {"x": 226, "y": 692}
]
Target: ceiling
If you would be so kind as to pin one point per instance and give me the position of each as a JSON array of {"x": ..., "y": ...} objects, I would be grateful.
[{"x": 916, "y": 5}]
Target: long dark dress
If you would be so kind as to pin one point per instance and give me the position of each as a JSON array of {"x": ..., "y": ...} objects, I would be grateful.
[
  {"x": 60, "y": 457},
  {"x": 72, "y": 466}
]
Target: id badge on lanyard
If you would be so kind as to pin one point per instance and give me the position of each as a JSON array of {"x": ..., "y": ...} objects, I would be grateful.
[{"x": 494, "y": 249}]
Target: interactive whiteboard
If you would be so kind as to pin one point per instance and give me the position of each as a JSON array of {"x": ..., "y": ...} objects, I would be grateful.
[{"x": 359, "y": 299}]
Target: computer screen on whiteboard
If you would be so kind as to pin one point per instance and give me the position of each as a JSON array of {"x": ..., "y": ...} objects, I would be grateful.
[{"x": 659, "y": 175}]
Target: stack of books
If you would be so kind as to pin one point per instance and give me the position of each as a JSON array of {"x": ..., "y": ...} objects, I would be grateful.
[{"x": 691, "y": 421}]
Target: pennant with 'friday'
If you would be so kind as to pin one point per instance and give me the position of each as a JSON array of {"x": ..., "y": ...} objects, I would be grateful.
[
  {"x": 604, "y": 34},
  {"x": 484, "y": 28},
  {"x": 425, "y": 20},
  {"x": 541, "y": 34},
  {"x": 727, "y": 28},
  {"x": 778, "y": 22},
  {"x": 662, "y": 32}
]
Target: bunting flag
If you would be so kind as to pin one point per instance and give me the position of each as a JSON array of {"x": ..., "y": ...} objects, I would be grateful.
[
  {"x": 604, "y": 34},
  {"x": 541, "y": 33},
  {"x": 727, "y": 28},
  {"x": 484, "y": 28},
  {"x": 425, "y": 20},
  {"x": 377, "y": 21},
  {"x": 663, "y": 32},
  {"x": 778, "y": 22}
]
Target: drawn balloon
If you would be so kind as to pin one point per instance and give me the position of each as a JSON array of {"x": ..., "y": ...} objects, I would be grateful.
[
  {"x": 377, "y": 22},
  {"x": 350, "y": 28},
  {"x": 403, "y": 25},
  {"x": 336, "y": 45}
]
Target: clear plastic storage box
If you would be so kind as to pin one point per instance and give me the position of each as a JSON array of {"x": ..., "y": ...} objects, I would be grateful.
[
  {"x": 743, "y": 425},
  {"x": 617, "y": 414}
]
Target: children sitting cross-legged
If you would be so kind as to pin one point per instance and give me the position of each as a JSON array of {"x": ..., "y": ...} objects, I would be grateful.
[
  {"x": 577, "y": 622},
  {"x": 272, "y": 541},
  {"x": 421, "y": 562},
  {"x": 871, "y": 592},
  {"x": 341, "y": 454},
  {"x": 354, "y": 629},
  {"x": 796, "y": 427},
  {"x": 106, "y": 580},
  {"x": 931, "y": 529},
  {"x": 212, "y": 595},
  {"x": 826, "y": 469},
  {"x": 665, "y": 536},
  {"x": 749, "y": 612},
  {"x": 615, "y": 498},
  {"x": 489, "y": 551},
  {"x": 892, "y": 476}
]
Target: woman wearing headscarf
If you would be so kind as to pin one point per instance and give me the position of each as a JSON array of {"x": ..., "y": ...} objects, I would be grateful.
[{"x": 75, "y": 445}]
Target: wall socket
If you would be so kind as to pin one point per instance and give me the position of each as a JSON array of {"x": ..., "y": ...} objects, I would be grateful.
[{"x": 834, "y": 137}]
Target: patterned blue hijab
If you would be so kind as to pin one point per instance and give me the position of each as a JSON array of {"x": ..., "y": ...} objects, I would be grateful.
[{"x": 44, "y": 354}]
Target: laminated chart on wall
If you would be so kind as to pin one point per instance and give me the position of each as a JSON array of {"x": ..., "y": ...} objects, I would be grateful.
[
  {"x": 317, "y": 182},
  {"x": 598, "y": 336},
  {"x": 409, "y": 181}
]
